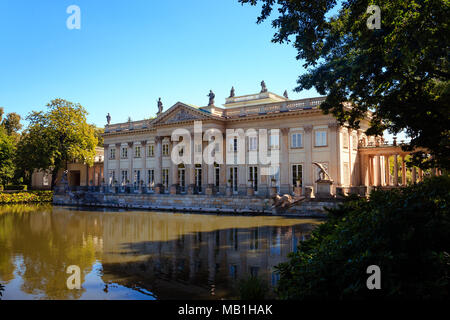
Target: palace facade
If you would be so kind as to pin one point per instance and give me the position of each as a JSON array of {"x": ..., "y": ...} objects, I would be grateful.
[{"x": 138, "y": 153}]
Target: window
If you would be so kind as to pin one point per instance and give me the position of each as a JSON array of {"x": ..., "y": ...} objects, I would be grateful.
[
  {"x": 112, "y": 154},
  {"x": 297, "y": 174},
  {"x": 151, "y": 178},
  {"x": 253, "y": 177},
  {"x": 252, "y": 143},
  {"x": 296, "y": 140},
  {"x": 165, "y": 149},
  {"x": 345, "y": 140},
  {"x": 151, "y": 150},
  {"x": 273, "y": 141},
  {"x": 112, "y": 177},
  {"x": 346, "y": 174},
  {"x": 354, "y": 142},
  {"x": 234, "y": 145},
  {"x": 137, "y": 152},
  {"x": 198, "y": 177},
  {"x": 124, "y": 153},
  {"x": 124, "y": 179},
  {"x": 216, "y": 175},
  {"x": 137, "y": 178},
  {"x": 165, "y": 178},
  {"x": 321, "y": 138}
]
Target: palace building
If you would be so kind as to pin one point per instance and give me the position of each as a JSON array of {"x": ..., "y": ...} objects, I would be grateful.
[{"x": 138, "y": 153}]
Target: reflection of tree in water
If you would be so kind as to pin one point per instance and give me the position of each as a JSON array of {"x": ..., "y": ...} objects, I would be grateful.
[{"x": 47, "y": 243}]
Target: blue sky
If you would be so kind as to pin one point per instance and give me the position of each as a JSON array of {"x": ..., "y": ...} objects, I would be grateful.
[{"x": 129, "y": 53}]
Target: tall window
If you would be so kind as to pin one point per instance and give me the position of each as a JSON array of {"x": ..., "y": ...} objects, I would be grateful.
[
  {"x": 253, "y": 177},
  {"x": 112, "y": 154},
  {"x": 151, "y": 178},
  {"x": 296, "y": 140},
  {"x": 346, "y": 174},
  {"x": 252, "y": 143},
  {"x": 216, "y": 175},
  {"x": 137, "y": 178},
  {"x": 165, "y": 178},
  {"x": 137, "y": 152},
  {"x": 112, "y": 177},
  {"x": 124, "y": 154},
  {"x": 234, "y": 145},
  {"x": 233, "y": 178},
  {"x": 124, "y": 177},
  {"x": 198, "y": 178},
  {"x": 345, "y": 140},
  {"x": 165, "y": 149},
  {"x": 354, "y": 142},
  {"x": 297, "y": 174},
  {"x": 321, "y": 138},
  {"x": 151, "y": 150}
]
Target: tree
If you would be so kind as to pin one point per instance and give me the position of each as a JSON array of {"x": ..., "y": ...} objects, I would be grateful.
[
  {"x": 400, "y": 72},
  {"x": 55, "y": 137},
  {"x": 402, "y": 231},
  {"x": 12, "y": 123},
  {"x": 7, "y": 150}
]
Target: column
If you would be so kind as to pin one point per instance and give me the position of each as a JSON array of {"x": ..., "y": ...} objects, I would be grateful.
[
  {"x": 378, "y": 169},
  {"x": 364, "y": 170},
  {"x": 130, "y": 162},
  {"x": 284, "y": 161},
  {"x": 386, "y": 170},
  {"x": 190, "y": 168},
  {"x": 395, "y": 170},
  {"x": 334, "y": 151},
  {"x": 223, "y": 167},
  {"x": 403, "y": 171},
  {"x": 420, "y": 175},
  {"x": 308, "y": 156}
]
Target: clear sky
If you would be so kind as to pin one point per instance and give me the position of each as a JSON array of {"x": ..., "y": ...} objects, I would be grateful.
[{"x": 129, "y": 53}]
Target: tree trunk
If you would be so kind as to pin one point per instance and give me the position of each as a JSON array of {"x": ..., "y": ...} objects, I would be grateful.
[{"x": 54, "y": 177}]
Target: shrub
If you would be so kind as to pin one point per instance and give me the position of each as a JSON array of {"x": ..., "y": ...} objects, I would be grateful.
[
  {"x": 19, "y": 187},
  {"x": 404, "y": 231},
  {"x": 1, "y": 188},
  {"x": 252, "y": 288},
  {"x": 23, "y": 197}
]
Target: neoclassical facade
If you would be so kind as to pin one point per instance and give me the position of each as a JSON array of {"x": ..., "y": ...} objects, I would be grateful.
[{"x": 138, "y": 153}]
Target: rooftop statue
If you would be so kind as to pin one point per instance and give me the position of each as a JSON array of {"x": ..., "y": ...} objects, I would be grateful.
[
  {"x": 323, "y": 173},
  {"x": 160, "y": 106},
  {"x": 231, "y": 92},
  {"x": 108, "y": 119},
  {"x": 263, "y": 87},
  {"x": 211, "y": 96},
  {"x": 285, "y": 94}
]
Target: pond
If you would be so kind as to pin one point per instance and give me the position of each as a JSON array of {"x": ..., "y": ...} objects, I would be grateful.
[{"x": 139, "y": 254}]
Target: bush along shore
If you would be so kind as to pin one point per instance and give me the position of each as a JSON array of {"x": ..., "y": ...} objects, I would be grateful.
[
  {"x": 26, "y": 197},
  {"x": 405, "y": 232}
]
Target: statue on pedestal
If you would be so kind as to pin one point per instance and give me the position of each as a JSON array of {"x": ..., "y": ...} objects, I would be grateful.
[
  {"x": 108, "y": 119},
  {"x": 323, "y": 173},
  {"x": 263, "y": 87},
  {"x": 231, "y": 92},
  {"x": 160, "y": 106},
  {"x": 211, "y": 96}
]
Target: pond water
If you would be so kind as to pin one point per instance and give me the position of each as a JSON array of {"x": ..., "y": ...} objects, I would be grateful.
[{"x": 139, "y": 254}]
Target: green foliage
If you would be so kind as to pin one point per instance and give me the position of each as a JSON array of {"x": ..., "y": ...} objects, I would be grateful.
[
  {"x": 25, "y": 197},
  {"x": 404, "y": 231},
  {"x": 56, "y": 137},
  {"x": 12, "y": 123},
  {"x": 400, "y": 72},
  {"x": 7, "y": 151},
  {"x": 253, "y": 288},
  {"x": 21, "y": 187},
  {"x": 1, "y": 188}
]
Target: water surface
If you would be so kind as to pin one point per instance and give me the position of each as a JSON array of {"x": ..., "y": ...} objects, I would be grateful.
[{"x": 139, "y": 254}]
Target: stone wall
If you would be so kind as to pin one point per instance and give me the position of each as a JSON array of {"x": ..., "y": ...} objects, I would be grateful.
[{"x": 191, "y": 203}]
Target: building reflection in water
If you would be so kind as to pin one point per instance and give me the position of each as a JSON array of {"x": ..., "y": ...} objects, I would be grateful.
[{"x": 173, "y": 256}]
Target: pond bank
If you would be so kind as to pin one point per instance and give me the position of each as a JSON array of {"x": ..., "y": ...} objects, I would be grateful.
[{"x": 193, "y": 203}]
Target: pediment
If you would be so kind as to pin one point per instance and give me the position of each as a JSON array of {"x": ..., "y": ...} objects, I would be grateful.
[{"x": 180, "y": 113}]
